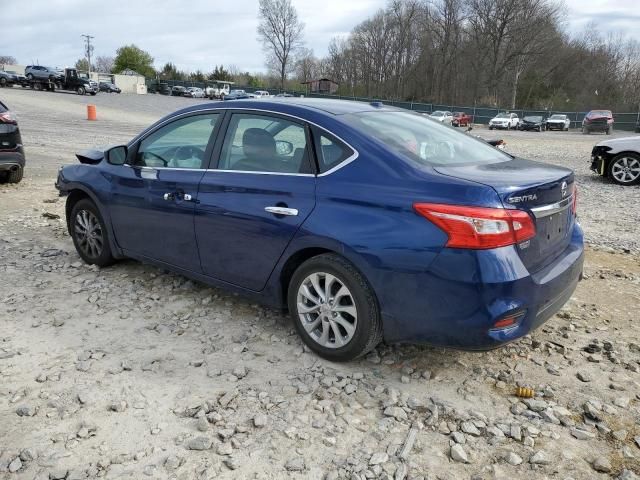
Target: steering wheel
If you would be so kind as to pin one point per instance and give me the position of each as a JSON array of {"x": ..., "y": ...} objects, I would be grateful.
[
  {"x": 187, "y": 152},
  {"x": 165, "y": 163}
]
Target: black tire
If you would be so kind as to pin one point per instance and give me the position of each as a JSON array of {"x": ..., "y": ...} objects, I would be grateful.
[
  {"x": 490, "y": 128},
  {"x": 14, "y": 176},
  {"x": 81, "y": 91},
  {"x": 3, "y": 82},
  {"x": 30, "y": 76},
  {"x": 368, "y": 330},
  {"x": 609, "y": 130},
  {"x": 617, "y": 160},
  {"x": 93, "y": 94},
  {"x": 102, "y": 256}
]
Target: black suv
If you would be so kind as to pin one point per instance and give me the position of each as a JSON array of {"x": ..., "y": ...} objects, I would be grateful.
[{"x": 11, "y": 150}]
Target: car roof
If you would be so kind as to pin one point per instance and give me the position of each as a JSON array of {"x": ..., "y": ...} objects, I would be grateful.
[{"x": 284, "y": 105}]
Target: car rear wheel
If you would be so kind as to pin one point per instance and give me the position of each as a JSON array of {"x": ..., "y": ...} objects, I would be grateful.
[
  {"x": 90, "y": 236},
  {"x": 80, "y": 91},
  {"x": 15, "y": 176},
  {"x": 624, "y": 169},
  {"x": 334, "y": 309}
]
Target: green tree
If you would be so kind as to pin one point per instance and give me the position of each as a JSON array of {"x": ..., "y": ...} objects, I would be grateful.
[
  {"x": 135, "y": 59},
  {"x": 82, "y": 65},
  {"x": 220, "y": 73}
]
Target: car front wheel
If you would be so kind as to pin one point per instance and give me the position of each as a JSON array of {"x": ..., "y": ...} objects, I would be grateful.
[
  {"x": 334, "y": 309},
  {"x": 90, "y": 236},
  {"x": 624, "y": 169}
]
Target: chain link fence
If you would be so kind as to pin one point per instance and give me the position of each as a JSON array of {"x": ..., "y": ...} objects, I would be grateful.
[{"x": 480, "y": 115}]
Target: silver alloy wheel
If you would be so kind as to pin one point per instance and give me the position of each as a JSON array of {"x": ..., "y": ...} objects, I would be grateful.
[
  {"x": 626, "y": 169},
  {"x": 327, "y": 310},
  {"x": 88, "y": 233}
]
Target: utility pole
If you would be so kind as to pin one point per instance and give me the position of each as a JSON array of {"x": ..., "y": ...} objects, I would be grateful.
[{"x": 88, "y": 49}]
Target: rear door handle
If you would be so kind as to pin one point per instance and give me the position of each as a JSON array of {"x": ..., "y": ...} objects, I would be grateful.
[{"x": 290, "y": 212}]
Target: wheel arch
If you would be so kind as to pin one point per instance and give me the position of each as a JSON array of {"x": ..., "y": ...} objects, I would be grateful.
[
  {"x": 75, "y": 193},
  {"x": 291, "y": 265}
]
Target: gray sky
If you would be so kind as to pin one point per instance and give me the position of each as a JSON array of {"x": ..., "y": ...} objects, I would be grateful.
[{"x": 198, "y": 34}]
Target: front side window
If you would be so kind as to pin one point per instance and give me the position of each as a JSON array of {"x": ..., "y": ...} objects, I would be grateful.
[
  {"x": 180, "y": 144},
  {"x": 422, "y": 140},
  {"x": 261, "y": 143}
]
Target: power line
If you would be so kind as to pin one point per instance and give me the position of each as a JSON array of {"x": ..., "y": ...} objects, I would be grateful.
[{"x": 88, "y": 49}]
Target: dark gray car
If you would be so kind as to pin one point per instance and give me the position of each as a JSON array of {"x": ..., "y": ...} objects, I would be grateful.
[{"x": 38, "y": 72}]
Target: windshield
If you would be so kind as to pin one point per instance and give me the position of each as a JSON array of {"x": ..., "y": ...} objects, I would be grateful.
[
  {"x": 599, "y": 113},
  {"x": 424, "y": 141},
  {"x": 533, "y": 119},
  {"x": 558, "y": 117},
  {"x": 502, "y": 115},
  {"x": 437, "y": 113}
]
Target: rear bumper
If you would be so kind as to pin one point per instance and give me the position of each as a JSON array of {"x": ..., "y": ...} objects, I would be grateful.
[
  {"x": 10, "y": 159},
  {"x": 457, "y": 302}
]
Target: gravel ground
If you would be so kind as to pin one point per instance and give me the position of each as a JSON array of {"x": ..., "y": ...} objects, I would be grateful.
[{"x": 132, "y": 372}]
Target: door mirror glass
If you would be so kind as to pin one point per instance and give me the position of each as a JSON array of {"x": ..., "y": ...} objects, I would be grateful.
[
  {"x": 117, "y": 155},
  {"x": 283, "y": 147}
]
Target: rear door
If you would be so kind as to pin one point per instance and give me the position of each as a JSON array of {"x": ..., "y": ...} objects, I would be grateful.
[
  {"x": 251, "y": 205},
  {"x": 153, "y": 198}
]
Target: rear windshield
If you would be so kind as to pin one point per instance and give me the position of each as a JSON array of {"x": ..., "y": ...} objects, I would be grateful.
[
  {"x": 533, "y": 119},
  {"x": 599, "y": 113},
  {"x": 558, "y": 117},
  {"x": 422, "y": 140},
  {"x": 503, "y": 115}
]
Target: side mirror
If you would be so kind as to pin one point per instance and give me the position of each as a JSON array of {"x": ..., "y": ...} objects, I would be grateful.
[
  {"x": 117, "y": 155},
  {"x": 283, "y": 147}
]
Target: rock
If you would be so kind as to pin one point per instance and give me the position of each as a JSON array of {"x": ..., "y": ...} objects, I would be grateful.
[
  {"x": 584, "y": 376},
  {"x": 582, "y": 434},
  {"x": 232, "y": 463},
  {"x": 199, "y": 443},
  {"x": 620, "y": 435},
  {"x": 58, "y": 473},
  {"x": 592, "y": 411},
  {"x": 378, "y": 458},
  {"x": 627, "y": 475},
  {"x": 539, "y": 458},
  {"x": 548, "y": 416},
  {"x": 535, "y": 405},
  {"x": 26, "y": 411},
  {"x": 396, "y": 412},
  {"x": 515, "y": 432},
  {"x": 470, "y": 428},
  {"x": 295, "y": 465},
  {"x": 458, "y": 454},
  {"x": 459, "y": 437},
  {"x": 120, "y": 406},
  {"x": 224, "y": 449},
  {"x": 601, "y": 464},
  {"x": 202, "y": 424},
  {"x": 15, "y": 465},
  {"x": 513, "y": 459},
  {"x": 240, "y": 371},
  {"x": 401, "y": 472},
  {"x": 260, "y": 420}
]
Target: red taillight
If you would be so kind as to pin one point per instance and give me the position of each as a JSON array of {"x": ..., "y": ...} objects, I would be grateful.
[
  {"x": 574, "y": 202},
  {"x": 508, "y": 321},
  {"x": 479, "y": 227},
  {"x": 8, "y": 117}
]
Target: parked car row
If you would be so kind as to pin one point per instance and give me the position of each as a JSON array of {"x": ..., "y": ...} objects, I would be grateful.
[{"x": 594, "y": 121}]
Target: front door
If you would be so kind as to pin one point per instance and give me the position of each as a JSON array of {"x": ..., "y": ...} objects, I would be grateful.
[
  {"x": 154, "y": 197},
  {"x": 251, "y": 206}
]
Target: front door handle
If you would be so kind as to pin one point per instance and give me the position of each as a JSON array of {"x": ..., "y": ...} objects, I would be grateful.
[{"x": 290, "y": 212}]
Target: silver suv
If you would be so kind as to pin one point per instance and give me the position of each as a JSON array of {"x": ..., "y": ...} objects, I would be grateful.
[{"x": 39, "y": 72}]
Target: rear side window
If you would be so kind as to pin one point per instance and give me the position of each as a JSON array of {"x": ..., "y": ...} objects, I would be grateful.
[
  {"x": 3, "y": 108},
  {"x": 331, "y": 152}
]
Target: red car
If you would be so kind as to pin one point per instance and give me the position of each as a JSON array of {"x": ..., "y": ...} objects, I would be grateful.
[
  {"x": 598, "y": 121},
  {"x": 461, "y": 119}
]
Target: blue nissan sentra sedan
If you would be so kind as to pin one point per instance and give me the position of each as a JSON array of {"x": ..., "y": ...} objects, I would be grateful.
[{"x": 366, "y": 222}]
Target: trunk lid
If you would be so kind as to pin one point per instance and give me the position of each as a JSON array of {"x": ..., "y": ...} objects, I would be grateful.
[{"x": 544, "y": 191}]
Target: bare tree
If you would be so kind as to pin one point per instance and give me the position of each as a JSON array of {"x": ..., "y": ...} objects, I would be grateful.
[
  {"x": 280, "y": 31},
  {"x": 104, "y": 64},
  {"x": 306, "y": 66},
  {"x": 7, "y": 60}
]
